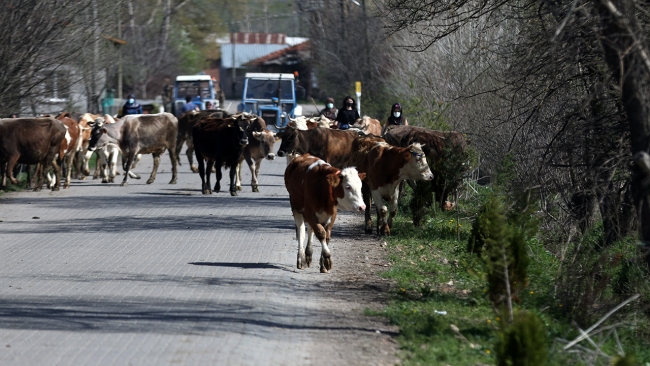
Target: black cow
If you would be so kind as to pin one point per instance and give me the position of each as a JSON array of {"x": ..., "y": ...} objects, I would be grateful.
[
  {"x": 185, "y": 124},
  {"x": 221, "y": 142}
]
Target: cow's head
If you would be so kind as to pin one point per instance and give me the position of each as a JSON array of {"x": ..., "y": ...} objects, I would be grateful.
[
  {"x": 415, "y": 167},
  {"x": 241, "y": 127},
  {"x": 266, "y": 140},
  {"x": 289, "y": 141},
  {"x": 96, "y": 133},
  {"x": 349, "y": 182}
]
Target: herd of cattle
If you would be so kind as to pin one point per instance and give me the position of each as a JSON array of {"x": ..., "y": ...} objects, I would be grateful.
[{"x": 327, "y": 168}]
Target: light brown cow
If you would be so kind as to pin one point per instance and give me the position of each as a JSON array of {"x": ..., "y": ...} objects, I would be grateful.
[
  {"x": 260, "y": 146},
  {"x": 81, "y": 162},
  {"x": 386, "y": 166},
  {"x": 369, "y": 126},
  {"x": 316, "y": 190},
  {"x": 333, "y": 146}
]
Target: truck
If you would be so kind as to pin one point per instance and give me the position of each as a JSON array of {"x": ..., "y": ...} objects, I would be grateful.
[
  {"x": 271, "y": 96},
  {"x": 199, "y": 87}
]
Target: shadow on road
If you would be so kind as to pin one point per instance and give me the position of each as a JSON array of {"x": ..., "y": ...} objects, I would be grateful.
[{"x": 238, "y": 265}]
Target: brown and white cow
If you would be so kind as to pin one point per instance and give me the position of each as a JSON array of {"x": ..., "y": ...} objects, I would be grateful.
[
  {"x": 333, "y": 146},
  {"x": 386, "y": 166},
  {"x": 70, "y": 145},
  {"x": 81, "y": 161},
  {"x": 316, "y": 191},
  {"x": 367, "y": 125},
  {"x": 139, "y": 134},
  {"x": 436, "y": 145},
  {"x": 30, "y": 141},
  {"x": 260, "y": 146}
]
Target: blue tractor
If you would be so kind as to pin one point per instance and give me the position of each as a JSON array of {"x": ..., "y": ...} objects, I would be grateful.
[{"x": 271, "y": 96}]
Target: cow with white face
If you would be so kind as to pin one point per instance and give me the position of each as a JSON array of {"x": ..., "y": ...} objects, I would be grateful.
[
  {"x": 386, "y": 166},
  {"x": 316, "y": 191}
]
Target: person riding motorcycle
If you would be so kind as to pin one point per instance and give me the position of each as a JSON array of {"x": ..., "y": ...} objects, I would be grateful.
[
  {"x": 347, "y": 115},
  {"x": 131, "y": 106}
]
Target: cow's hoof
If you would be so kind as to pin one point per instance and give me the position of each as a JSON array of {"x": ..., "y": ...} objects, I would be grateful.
[
  {"x": 149, "y": 181},
  {"x": 308, "y": 259},
  {"x": 37, "y": 189},
  {"x": 238, "y": 188},
  {"x": 173, "y": 181},
  {"x": 369, "y": 230},
  {"x": 117, "y": 173},
  {"x": 124, "y": 184},
  {"x": 136, "y": 176},
  {"x": 385, "y": 230},
  {"x": 81, "y": 177},
  {"x": 233, "y": 193},
  {"x": 86, "y": 172},
  {"x": 325, "y": 264},
  {"x": 54, "y": 189},
  {"x": 194, "y": 169},
  {"x": 111, "y": 180},
  {"x": 66, "y": 186},
  {"x": 255, "y": 189},
  {"x": 104, "y": 180}
]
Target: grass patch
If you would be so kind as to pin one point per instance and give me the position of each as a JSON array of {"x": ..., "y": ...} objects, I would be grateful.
[{"x": 440, "y": 301}]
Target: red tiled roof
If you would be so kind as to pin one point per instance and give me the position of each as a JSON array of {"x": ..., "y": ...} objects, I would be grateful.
[{"x": 277, "y": 54}]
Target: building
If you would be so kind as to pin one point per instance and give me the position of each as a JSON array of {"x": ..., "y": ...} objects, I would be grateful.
[{"x": 260, "y": 52}]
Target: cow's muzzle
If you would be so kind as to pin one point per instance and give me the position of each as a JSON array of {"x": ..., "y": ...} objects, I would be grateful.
[
  {"x": 243, "y": 142},
  {"x": 281, "y": 153},
  {"x": 271, "y": 156}
]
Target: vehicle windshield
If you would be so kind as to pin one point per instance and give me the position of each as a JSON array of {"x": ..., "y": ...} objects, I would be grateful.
[
  {"x": 267, "y": 89},
  {"x": 194, "y": 88}
]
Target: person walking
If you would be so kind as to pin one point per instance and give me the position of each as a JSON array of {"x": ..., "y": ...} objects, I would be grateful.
[
  {"x": 347, "y": 115},
  {"x": 329, "y": 111},
  {"x": 396, "y": 118}
]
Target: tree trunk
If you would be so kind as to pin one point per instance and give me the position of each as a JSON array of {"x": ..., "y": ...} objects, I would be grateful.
[{"x": 627, "y": 61}]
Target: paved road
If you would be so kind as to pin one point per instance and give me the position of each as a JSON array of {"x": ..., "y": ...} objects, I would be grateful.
[{"x": 160, "y": 274}]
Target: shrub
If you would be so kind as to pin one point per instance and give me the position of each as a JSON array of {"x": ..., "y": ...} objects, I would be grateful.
[{"x": 522, "y": 343}]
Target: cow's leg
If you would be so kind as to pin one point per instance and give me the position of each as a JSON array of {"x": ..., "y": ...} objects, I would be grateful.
[
  {"x": 205, "y": 188},
  {"x": 252, "y": 165},
  {"x": 217, "y": 171},
  {"x": 309, "y": 250},
  {"x": 137, "y": 160},
  {"x": 233, "y": 174},
  {"x": 69, "y": 159},
  {"x": 112, "y": 164},
  {"x": 394, "y": 199},
  {"x": 238, "y": 176},
  {"x": 56, "y": 166},
  {"x": 156, "y": 163},
  {"x": 180, "y": 140},
  {"x": 126, "y": 165},
  {"x": 382, "y": 212},
  {"x": 301, "y": 261},
  {"x": 10, "y": 168},
  {"x": 367, "y": 199},
  {"x": 86, "y": 161},
  {"x": 190, "y": 153},
  {"x": 3, "y": 174},
  {"x": 208, "y": 171},
  {"x": 325, "y": 255},
  {"x": 102, "y": 163},
  {"x": 174, "y": 160},
  {"x": 255, "y": 172}
]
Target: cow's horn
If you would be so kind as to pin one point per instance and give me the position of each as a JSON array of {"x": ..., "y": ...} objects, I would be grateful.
[{"x": 99, "y": 121}]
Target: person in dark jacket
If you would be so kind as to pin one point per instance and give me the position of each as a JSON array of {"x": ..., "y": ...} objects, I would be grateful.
[
  {"x": 347, "y": 114},
  {"x": 396, "y": 118},
  {"x": 131, "y": 106},
  {"x": 329, "y": 111}
]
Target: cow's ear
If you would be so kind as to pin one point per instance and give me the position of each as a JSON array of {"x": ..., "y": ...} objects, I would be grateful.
[
  {"x": 333, "y": 179},
  {"x": 362, "y": 176}
]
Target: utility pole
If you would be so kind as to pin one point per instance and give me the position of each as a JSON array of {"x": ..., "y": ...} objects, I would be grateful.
[
  {"x": 266, "y": 16},
  {"x": 120, "y": 71}
]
